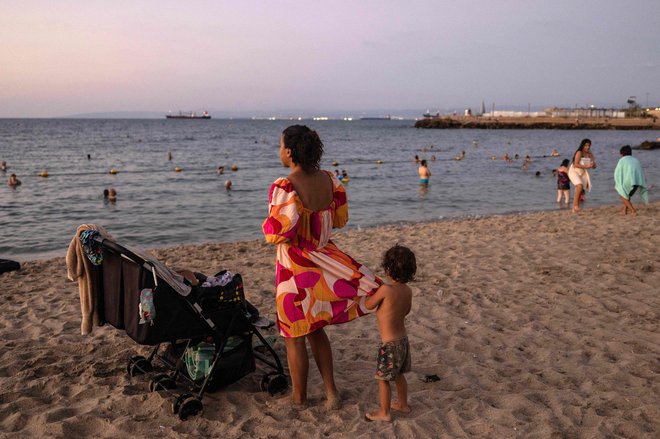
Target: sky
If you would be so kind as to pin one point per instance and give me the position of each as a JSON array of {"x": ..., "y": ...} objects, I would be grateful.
[{"x": 77, "y": 56}]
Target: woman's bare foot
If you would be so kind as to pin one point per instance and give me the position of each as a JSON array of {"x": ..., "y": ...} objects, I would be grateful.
[
  {"x": 400, "y": 408},
  {"x": 377, "y": 416},
  {"x": 576, "y": 209},
  {"x": 299, "y": 404},
  {"x": 333, "y": 401}
]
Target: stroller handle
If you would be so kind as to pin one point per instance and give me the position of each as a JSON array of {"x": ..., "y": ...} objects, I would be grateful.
[{"x": 125, "y": 253}]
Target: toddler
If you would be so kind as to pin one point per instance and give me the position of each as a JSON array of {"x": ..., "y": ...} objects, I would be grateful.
[{"x": 393, "y": 303}]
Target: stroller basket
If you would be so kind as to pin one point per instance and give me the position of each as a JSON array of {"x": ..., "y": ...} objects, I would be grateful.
[{"x": 157, "y": 307}]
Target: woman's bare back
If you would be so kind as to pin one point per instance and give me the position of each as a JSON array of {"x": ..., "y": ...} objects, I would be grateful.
[{"x": 314, "y": 189}]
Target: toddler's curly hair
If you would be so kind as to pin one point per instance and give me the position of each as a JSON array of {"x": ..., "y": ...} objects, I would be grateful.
[{"x": 400, "y": 264}]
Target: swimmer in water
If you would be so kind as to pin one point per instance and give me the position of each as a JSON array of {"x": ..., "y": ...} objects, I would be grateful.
[
  {"x": 424, "y": 174},
  {"x": 13, "y": 181}
]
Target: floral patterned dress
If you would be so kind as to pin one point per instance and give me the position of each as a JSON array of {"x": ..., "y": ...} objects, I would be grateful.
[{"x": 316, "y": 283}]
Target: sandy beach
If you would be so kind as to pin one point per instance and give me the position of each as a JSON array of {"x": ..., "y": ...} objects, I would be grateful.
[{"x": 539, "y": 325}]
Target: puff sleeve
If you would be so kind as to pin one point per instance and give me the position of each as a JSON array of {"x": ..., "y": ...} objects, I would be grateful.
[
  {"x": 284, "y": 208},
  {"x": 340, "y": 215}
]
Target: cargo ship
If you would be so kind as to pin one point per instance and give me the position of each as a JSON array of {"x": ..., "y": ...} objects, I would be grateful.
[{"x": 191, "y": 115}]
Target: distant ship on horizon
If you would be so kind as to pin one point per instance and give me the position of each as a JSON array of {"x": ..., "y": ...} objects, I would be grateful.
[
  {"x": 388, "y": 117},
  {"x": 191, "y": 115}
]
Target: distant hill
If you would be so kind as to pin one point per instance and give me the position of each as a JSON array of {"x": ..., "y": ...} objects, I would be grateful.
[
  {"x": 117, "y": 115},
  {"x": 261, "y": 114}
]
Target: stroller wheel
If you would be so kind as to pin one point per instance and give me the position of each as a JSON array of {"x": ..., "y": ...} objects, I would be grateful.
[
  {"x": 190, "y": 407},
  {"x": 277, "y": 384},
  {"x": 274, "y": 382},
  {"x": 138, "y": 365},
  {"x": 161, "y": 382},
  {"x": 176, "y": 404},
  {"x": 265, "y": 380}
]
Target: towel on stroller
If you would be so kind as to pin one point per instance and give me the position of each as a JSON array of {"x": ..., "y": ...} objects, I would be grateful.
[{"x": 206, "y": 328}]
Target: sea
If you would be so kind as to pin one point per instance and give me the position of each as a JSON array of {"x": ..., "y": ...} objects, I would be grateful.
[{"x": 159, "y": 207}]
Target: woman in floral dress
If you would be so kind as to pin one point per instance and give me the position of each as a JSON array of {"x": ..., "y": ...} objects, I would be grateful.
[{"x": 316, "y": 283}]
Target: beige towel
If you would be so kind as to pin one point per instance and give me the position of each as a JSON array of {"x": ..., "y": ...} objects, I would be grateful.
[
  {"x": 79, "y": 268},
  {"x": 579, "y": 176}
]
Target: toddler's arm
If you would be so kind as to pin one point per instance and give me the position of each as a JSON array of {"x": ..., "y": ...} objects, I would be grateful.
[{"x": 375, "y": 299}]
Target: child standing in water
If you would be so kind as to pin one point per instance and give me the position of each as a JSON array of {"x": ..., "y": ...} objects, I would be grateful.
[
  {"x": 393, "y": 302},
  {"x": 563, "y": 183}
]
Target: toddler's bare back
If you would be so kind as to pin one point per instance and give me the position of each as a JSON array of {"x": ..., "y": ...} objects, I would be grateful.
[{"x": 392, "y": 311}]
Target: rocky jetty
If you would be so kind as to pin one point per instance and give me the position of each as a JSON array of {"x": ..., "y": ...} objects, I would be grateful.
[{"x": 526, "y": 123}]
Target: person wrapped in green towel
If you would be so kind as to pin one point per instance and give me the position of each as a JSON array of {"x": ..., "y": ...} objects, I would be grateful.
[{"x": 629, "y": 178}]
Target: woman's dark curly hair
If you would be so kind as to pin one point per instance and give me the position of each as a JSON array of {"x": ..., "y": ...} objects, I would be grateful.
[
  {"x": 305, "y": 145},
  {"x": 400, "y": 264}
]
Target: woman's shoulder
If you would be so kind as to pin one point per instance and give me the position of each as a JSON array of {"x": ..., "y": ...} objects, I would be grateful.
[
  {"x": 336, "y": 184},
  {"x": 283, "y": 183},
  {"x": 281, "y": 189}
]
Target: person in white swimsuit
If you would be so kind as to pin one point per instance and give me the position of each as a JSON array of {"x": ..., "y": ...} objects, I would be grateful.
[{"x": 583, "y": 160}]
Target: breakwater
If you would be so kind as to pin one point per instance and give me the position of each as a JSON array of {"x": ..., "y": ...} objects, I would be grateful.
[{"x": 560, "y": 123}]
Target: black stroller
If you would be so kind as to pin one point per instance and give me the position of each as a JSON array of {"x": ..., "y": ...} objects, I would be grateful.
[{"x": 206, "y": 332}]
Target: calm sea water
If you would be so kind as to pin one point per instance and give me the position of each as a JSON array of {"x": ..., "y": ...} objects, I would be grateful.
[{"x": 158, "y": 207}]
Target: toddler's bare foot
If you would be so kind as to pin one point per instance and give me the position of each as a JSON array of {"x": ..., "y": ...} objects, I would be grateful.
[
  {"x": 400, "y": 408},
  {"x": 377, "y": 416},
  {"x": 333, "y": 401}
]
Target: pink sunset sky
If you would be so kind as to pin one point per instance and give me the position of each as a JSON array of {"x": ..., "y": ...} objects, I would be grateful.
[{"x": 72, "y": 56}]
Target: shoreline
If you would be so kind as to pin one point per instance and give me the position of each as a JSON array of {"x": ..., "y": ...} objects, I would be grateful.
[
  {"x": 543, "y": 122},
  {"x": 339, "y": 232}
]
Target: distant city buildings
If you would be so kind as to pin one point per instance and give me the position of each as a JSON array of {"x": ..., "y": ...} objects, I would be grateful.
[{"x": 499, "y": 113}]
